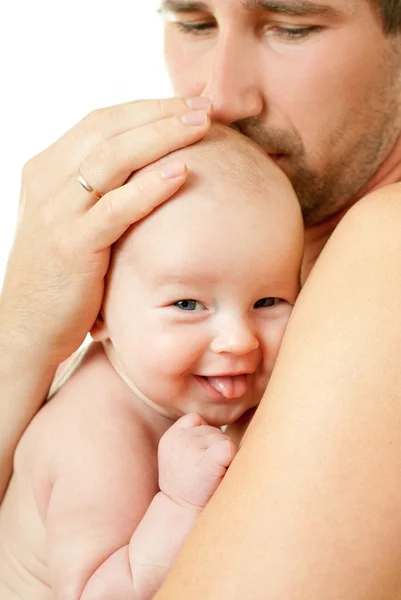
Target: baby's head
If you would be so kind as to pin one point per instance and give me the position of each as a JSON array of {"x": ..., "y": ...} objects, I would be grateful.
[{"x": 200, "y": 292}]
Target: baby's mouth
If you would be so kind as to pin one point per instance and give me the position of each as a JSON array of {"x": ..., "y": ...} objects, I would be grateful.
[{"x": 228, "y": 386}]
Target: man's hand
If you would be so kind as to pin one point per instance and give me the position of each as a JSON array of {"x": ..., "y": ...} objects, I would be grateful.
[{"x": 55, "y": 278}]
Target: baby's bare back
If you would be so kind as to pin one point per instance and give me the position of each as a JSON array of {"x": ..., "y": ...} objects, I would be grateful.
[
  {"x": 82, "y": 515},
  {"x": 23, "y": 571},
  {"x": 87, "y": 449}
]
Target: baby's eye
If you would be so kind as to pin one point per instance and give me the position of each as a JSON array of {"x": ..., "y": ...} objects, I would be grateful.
[
  {"x": 189, "y": 305},
  {"x": 266, "y": 302}
]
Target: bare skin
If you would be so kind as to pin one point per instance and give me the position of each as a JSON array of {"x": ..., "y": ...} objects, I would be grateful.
[
  {"x": 280, "y": 103},
  {"x": 83, "y": 513},
  {"x": 311, "y": 104},
  {"x": 316, "y": 514},
  {"x": 84, "y": 500},
  {"x": 72, "y": 234}
]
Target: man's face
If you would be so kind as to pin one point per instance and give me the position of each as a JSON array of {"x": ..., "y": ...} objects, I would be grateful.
[{"x": 316, "y": 84}]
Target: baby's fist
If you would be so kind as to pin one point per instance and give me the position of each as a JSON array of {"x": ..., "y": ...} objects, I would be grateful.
[{"x": 193, "y": 459}]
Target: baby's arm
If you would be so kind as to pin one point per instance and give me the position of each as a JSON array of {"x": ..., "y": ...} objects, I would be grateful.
[
  {"x": 193, "y": 459},
  {"x": 102, "y": 487}
]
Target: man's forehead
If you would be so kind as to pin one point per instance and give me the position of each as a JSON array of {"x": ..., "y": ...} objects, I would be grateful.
[{"x": 285, "y": 7}]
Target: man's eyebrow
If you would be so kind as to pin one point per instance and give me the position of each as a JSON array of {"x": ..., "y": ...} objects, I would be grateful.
[
  {"x": 182, "y": 6},
  {"x": 294, "y": 8}
]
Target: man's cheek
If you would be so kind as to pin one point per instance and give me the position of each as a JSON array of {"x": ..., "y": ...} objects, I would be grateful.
[{"x": 186, "y": 80}]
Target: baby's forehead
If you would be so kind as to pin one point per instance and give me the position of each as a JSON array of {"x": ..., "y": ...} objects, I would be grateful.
[
  {"x": 228, "y": 176},
  {"x": 209, "y": 223}
]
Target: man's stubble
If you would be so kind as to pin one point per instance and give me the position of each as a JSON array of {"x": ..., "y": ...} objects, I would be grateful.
[{"x": 349, "y": 156}]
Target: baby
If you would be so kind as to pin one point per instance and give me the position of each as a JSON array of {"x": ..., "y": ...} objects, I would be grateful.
[{"x": 197, "y": 299}]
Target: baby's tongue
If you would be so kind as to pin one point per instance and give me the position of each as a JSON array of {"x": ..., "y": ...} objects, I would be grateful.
[{"x": 229, "y": 386}]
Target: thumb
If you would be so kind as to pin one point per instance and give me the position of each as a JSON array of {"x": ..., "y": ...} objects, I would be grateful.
[{"x": 189, "y": 421}]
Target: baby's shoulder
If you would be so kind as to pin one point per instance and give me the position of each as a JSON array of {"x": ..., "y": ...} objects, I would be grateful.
[{"x": 88, "y": 426}]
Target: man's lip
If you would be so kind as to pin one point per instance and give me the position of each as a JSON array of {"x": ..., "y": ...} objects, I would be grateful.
[{"x": 276, "y": 157}]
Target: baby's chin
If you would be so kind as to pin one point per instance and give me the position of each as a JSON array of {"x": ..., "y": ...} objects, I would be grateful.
[
  {"x": 219, "y": 416},
  {"x": 218, "y": 411}
]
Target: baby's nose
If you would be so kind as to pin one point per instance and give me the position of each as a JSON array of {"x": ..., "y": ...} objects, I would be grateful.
[{"x": 235, "y": 337}]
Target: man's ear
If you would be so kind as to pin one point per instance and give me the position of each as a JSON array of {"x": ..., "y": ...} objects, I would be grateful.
[{"x": 99, "y": 332}]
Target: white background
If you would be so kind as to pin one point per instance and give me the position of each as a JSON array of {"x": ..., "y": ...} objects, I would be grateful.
[{"x": 58, "y": 61}]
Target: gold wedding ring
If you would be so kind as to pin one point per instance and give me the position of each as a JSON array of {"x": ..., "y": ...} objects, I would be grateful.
[{"x": 81, "y": 179}]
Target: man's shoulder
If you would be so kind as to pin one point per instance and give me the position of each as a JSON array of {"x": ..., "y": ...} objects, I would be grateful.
[
  {"x": 373, "y": 220},
  {"x": 383, "y": 203}
]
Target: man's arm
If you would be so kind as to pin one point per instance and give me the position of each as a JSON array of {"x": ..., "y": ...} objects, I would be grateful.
[
  {"x": 310, "y": 508},
  {"x": 25, "y": 377},
  {"x": 51, "y": 296}
]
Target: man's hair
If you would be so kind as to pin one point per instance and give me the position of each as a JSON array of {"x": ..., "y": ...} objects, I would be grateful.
[{"x": 390, "y": 14}]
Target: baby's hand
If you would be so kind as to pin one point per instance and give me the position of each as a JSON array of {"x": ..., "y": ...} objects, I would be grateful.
[{"x": 193, "y": 459}]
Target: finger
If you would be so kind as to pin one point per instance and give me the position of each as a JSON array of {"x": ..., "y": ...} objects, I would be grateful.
[
  {"x": 189, "y": 421},
  {"x": 131, "y": 115},
  {"x": 112, "y": 162},
  {"x": 65, "y": 156},
  {"x": 204, "y": 438},
  {"x": 221, "y": 453},
  {"x": 111, "y": 216}
]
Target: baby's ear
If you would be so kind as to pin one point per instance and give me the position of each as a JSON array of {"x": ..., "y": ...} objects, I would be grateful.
[{"x": 99, "y": 331}]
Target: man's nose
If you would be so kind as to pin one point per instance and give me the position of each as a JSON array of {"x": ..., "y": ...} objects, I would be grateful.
[
  {"x": 234, "y": 336},
  {"x": 234, "y": 85}
]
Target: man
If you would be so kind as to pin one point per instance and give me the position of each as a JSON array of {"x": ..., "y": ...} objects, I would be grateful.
[{"x": 318, "y": 85}]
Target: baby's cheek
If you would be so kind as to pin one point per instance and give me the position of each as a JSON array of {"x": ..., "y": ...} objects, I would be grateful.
[
  {"x": 178, "y": 351},
  {"x": 272, "y": 343},
  {"x": 160, "y": 371}
]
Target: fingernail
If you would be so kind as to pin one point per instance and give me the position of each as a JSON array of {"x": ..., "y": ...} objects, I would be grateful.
[
  {"x": 173, "y": 170},
  {"x": 195, "y": 118},
  {"x": 200, "y": 103}
]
